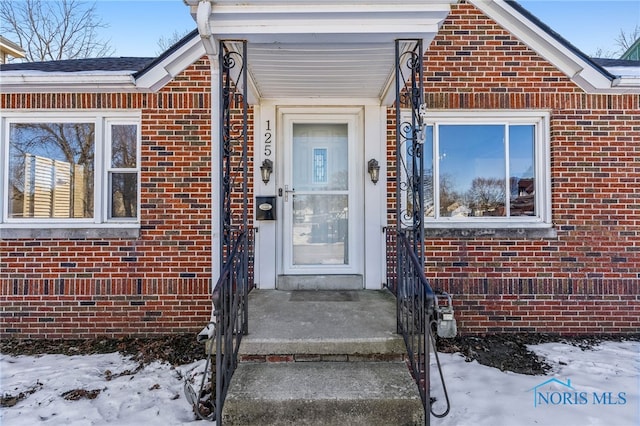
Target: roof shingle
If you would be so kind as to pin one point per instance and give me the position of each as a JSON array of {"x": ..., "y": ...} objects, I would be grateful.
[{"x": 79, "y": 65}]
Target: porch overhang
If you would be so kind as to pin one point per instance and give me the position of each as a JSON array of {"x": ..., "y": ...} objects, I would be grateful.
[{"x": 320, "y": 49}]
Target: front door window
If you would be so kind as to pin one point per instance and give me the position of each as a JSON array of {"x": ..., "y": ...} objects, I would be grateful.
[
  {"x": 320, "y": 177},
  {"x": 323, "y": 221}
]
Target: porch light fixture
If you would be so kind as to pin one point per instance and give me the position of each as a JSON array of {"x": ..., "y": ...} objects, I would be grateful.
[
  {"x": 374, "y": 170},
  {"x": 265, "y": 170}
]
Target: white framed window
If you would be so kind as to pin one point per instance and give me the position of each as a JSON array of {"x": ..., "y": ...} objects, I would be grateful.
[
  {"x": 123, "y": 172},
  {"x": 484, "y": 169},
  {"x": 70, "y": 169}
]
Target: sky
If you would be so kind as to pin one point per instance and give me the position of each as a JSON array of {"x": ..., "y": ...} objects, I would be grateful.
[
  {"x": 597, "y": 387},
  {"x": 591, "y": 25}
]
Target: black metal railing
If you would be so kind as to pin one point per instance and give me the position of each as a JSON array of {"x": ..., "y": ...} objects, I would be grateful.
[
  {"x": 417, "y": 304},
  {"x": 230, "y": 301},
  {"x": 230, "y": 309},
  {"x": 223, "y": 334},
  {"x": 230, "y": 295},
  {"x": 410, "y": 138}
]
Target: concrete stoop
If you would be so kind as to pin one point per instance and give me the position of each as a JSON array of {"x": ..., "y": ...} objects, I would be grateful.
[
  {"x": 323, "y": 393},
  {"x": 322, "y": 358}
]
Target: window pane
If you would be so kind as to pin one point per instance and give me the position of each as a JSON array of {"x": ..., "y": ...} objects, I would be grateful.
[
  {"x": 321, "y": 156},
  {"x": 472, "y": 170},
  {"x": 409, "y": 156},
  {"x": 320, "y": 229},
  {"x": 51, "y": 170},
  {"x": 124, "y": 138},
  {"x": 124, "y": 194},
  {"x": 521, "y": 170},
  {"x": 427, "y": 152}
]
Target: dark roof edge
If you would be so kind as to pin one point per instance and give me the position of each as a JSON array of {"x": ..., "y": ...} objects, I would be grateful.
[
  {"x": 184, "y": 40},
  {"x": 544, "y": 27}
]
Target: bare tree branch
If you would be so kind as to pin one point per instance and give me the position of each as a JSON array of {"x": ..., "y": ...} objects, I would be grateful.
[
  {"x": 626, "y": 39},
  {"x": 54, "y": 30},
  {"x": 164, "y": 43}
]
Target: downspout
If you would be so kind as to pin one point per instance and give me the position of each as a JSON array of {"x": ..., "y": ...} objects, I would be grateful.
[{"x": 210, "y": 44}]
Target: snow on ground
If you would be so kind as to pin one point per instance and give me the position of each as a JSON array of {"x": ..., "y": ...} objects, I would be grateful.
[
  {"x": 604, "y": 389},
  {"x": 151, "y": 396},
  {"x": 599, "y": 386}
]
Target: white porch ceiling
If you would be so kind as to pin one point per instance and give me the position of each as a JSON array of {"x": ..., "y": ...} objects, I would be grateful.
[
  {"x": 323, "y": 49},
  {"x": 328, "y": 70}
]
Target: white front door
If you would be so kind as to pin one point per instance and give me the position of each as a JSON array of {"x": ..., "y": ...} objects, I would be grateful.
[{"x": 322, "y": 202}]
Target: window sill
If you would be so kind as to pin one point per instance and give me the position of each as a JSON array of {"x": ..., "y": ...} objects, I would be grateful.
[
  {"x": 522, "y": 231},
  {"x": 62, "y": 232}
]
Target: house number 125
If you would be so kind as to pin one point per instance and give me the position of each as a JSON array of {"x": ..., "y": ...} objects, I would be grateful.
[{"x": 268, "y": 139}]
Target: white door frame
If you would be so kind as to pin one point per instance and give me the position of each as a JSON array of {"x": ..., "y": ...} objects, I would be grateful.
[
  {"x": 268, "y": 143},
  {"x": 353, "y": 118}
]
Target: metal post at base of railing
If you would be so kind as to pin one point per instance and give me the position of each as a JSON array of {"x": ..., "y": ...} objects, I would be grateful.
[{"x": 427, "y": 375}]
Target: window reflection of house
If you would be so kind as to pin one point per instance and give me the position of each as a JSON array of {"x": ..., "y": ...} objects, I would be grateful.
[
  {"x": 16, "y": 202},
  {"x": 524, "y": 203},
  {"x": 52, "y": 188},
  {"x": 459, "y": 210}
]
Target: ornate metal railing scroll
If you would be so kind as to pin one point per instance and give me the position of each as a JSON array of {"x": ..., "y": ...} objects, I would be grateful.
[
  {"x": 230, "y": 297},
  {"x": 234, "y": 185},
  {"x": 229, "y": 319},
  {"x": 410, "y": 136},
  {"x": 417, "y": 305}
]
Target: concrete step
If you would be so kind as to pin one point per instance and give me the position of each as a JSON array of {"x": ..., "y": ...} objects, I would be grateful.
[
  {"x": 320, "y": 282},
  {"x": 310, "y": 323},
  {"x": 322, "y": 358},
  {"x": 323, "y": 393}
]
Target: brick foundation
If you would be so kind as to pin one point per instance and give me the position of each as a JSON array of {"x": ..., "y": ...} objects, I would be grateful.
[
  {"x": 561, "y": 306},
  {"x": 77, "y": 308}
]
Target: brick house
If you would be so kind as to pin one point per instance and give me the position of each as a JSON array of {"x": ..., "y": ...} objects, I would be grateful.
[{"x": 110, "y": 220}]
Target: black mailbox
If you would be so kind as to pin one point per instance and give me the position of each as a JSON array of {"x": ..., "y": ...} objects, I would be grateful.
[{"x": 266, "y": 208}]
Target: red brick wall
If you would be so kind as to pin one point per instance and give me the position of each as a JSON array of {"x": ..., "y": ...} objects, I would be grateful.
[
  {"x": 86, "y": 308},
  {"x": 560, "y": 306},
  {"x": 584, "y": 280},
  {"x": 157, "y": 283},
  {"x": 587, "y": 278}
]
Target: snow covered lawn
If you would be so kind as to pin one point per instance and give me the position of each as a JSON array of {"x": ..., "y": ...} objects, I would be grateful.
[
  {"x": 604, "y": 389},
  {"x": 600, "y": 386},
  {"x": 150, "y": 396}
]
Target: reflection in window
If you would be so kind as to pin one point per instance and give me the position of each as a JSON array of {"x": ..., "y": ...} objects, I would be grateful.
[
  {"x": 521, "y": 170},
  {"x": 479, "y": 171},
  {"x": 321, "y": 155},
  {"x": 51, "y": 170},
  {"x": 85, "y": 169},
  {"x": 124, "y": 142},
  {"x": 123, "y": 176},
  {"x": 472, "y": 170},
  {"x": 124, "y": 194},
  {"x": 320, "y": 229}
]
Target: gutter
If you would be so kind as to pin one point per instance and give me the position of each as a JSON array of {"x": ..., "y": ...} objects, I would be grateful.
[
  {"x": 203, "y": 14},
  {"x": 36, "y": 82}
]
